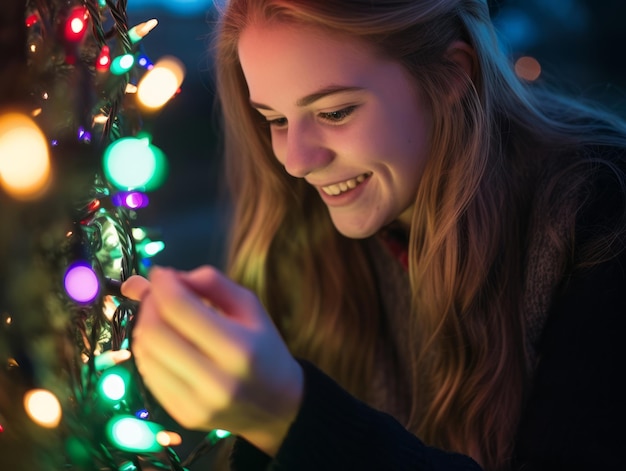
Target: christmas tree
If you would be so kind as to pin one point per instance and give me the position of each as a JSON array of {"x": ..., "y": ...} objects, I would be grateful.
[{"x": 75, "y": 168}]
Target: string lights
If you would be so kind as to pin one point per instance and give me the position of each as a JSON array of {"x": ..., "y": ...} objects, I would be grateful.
[{"x": 76, "y": 143}]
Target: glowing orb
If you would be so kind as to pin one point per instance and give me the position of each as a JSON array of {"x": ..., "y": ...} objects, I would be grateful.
[
  {"x": 131, "y": 163},
  {"x": 166, "y": 438},
  {"x": 528, "y": 68},
  {"x": 131, "y": 434},
  {"x": 160, "y": 83},
  {"x": 130, "y": 199},
  {"x": 113, "y": 386},
  {"x": 43, "y": 407},
  {"x": 24, "y": 158},
  {"x": 81, "y": 282}
]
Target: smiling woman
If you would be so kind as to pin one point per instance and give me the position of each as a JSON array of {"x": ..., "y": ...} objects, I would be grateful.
[
  {"x": 352, "y": 124},
  {"x": 427, "y": 254}
]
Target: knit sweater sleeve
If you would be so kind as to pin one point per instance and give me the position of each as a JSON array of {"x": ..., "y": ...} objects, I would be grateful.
[{"x": 335, "y": 431}]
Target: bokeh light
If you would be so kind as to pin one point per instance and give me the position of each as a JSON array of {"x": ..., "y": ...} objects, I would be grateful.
[
  {"x": 166, "y": 438},
  {"x": 130, "y": 199},
  {"x": 113, "y": 386},
  {"x": 81, "y": 282},
  {"x": 528, "y": 68},
  {"x": 150, "y": 249},
  {"x": 133, "y": 162},
  {"x": 161, "y": 82},
  {"x": 128, "y": 433},
  {"x": 43, "y": 407},
  {"x": 24, "y": 157}
]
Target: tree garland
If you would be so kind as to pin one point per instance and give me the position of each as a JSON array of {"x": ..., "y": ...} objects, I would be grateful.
[{"x": 69, "y": 396}]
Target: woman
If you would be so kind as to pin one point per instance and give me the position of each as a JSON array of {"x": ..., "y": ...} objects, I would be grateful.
[{"x": 442, "y": 240}]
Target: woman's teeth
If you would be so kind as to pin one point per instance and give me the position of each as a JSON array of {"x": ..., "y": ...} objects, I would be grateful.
[{"x": 338, "y": 188}]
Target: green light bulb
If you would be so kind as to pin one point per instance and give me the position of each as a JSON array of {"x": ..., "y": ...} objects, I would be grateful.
[
  {"x": 152, "y": 248},
  {"x": 113, "y": 383},
  {"x": 221, "y": 433},
  {"x": 133, "y": 163},
  {"x": 131, "y": 434},
  {"x": 113, "y": 387},
  {"x": 217, "y": 434},
  {"x": 122, "y": 64}
]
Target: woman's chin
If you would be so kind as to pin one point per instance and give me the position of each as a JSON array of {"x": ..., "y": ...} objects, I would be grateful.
[{"x": 359, "y": 229}]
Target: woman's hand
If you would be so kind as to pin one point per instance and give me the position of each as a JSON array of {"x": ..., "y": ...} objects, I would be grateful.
[{"x": 212, "y": 357}]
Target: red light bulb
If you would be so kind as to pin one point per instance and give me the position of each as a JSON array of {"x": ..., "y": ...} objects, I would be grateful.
[
  {"x": 104, "y": 59},
  {"x": 76, "y": 24},
  {"x": 31, "y": 20}
]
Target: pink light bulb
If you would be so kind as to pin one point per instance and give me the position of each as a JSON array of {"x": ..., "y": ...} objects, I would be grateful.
[{"x": 81, "y": 282}]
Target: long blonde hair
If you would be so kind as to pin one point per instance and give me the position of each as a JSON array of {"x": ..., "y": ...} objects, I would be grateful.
[{"x": 490, "y": 146}]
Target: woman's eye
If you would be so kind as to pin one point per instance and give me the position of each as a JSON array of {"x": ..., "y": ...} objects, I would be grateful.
[
  {"x": 271, "y": 121},
  {"x": 276, "y": 122},
  {"x": 337, "y": 116}
]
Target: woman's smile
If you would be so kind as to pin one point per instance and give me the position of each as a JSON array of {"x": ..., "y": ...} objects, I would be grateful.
[{"x": 344, "y": 186}]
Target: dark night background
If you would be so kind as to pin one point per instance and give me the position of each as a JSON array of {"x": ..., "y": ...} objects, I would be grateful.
[{"x": 577, "y": 42}]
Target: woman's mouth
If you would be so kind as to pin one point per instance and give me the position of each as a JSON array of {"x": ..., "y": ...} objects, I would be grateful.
[{"x": 339, "y": 188}]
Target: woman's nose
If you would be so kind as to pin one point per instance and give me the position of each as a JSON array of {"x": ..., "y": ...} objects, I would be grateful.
[{"x": 305, "y": 151}]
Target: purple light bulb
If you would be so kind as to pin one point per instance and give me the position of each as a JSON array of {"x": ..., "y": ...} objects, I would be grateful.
[{"x": 81, "y": 282}]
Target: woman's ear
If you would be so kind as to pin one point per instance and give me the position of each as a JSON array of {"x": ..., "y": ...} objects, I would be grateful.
[{"x": 463, "y": 55}]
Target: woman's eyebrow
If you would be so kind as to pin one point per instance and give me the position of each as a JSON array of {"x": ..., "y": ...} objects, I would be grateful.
[{"x": 313, "y": 97}]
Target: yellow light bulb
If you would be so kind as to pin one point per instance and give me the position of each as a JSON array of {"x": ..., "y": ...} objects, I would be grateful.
[
  {"x": 166, "y": 438},
  {"x": 160, "y": 83},
  {"x": 24, "y": 159},
  {"x": 43, "y": 407}
]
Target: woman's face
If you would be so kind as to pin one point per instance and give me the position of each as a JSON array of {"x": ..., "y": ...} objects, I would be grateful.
[{"x": 350, "y": 123}]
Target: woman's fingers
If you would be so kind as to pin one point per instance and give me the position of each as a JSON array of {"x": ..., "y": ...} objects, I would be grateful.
[
  {"x": 195, "y": 403},
  {"x": 223, "y": 293},
  {"x": 195, "y": 320},
  {"x": 171, "y": 364},
  {"x": 157, "y": 342},
  {"x": 202, "y": 340},
  {"x": 135, "y": 287}
]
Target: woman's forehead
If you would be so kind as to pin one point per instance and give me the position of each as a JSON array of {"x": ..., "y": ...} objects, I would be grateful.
[{"x": 306, "y": 58}]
